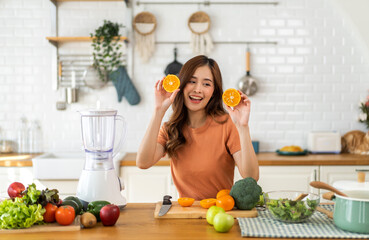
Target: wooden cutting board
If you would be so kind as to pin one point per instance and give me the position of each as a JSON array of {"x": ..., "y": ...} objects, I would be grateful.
[
  {"x": 196, "y": 211},
  {"x": 49, "y": 227}
]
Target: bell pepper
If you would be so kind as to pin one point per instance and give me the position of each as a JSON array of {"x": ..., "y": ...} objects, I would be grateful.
[{"x": 95, "y": 207}]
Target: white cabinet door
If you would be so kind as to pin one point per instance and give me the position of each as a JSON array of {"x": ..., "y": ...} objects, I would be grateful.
[
  {"x": 273, "y": 178},
  {"x": 9, "y": 175},
  {"x": 331, "y": 174},
  {"x": 147, "y": 185}
]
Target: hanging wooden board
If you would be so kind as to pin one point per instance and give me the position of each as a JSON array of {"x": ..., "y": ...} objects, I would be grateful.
[
  {"x": 196, "y": 211},
  {"x": 49, "y": 227}
]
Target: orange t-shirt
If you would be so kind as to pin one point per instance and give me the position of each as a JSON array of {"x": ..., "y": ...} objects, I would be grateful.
[{"x": 204, "y": 164}]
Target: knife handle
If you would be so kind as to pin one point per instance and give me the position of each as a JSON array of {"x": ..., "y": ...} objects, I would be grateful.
[{"x": 166, "y": 200}]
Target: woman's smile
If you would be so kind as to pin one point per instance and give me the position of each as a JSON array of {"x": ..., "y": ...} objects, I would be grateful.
[{"x": 195, "y": 99}]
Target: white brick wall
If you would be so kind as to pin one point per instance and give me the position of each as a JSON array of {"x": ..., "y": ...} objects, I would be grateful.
[{"x": 312, "y": 80}]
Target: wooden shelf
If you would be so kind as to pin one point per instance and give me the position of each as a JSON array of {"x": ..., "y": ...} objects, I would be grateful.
[
  {"x": 56, "y": 40},
  {"x": 86, "y": 0}
]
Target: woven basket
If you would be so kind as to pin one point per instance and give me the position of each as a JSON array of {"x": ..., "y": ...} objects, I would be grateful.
[
  {"x": 144, "y": 17},
  {"x": 199, "y": 17}
]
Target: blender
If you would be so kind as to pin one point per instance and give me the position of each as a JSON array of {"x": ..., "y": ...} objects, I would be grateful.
[{"x": 99, "y": 180}]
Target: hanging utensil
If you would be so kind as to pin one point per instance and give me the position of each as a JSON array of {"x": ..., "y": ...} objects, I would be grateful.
[
  {"x": 61, "y": 103},
  {"x": 248, "y": 84},
  {"x": 92, "y": 79},
  {"x": 175, "y": 66}
]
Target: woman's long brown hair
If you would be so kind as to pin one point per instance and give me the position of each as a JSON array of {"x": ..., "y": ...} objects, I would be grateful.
[{"x": 179, "y": 117}]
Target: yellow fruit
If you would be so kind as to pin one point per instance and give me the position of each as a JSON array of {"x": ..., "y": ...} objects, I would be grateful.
[
  {"x": 231, "y": 97},
  {"x": 171, "y": 82}
]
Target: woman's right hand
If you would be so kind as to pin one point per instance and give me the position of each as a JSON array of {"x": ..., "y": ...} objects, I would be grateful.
[{"x": 163, "y": 99}]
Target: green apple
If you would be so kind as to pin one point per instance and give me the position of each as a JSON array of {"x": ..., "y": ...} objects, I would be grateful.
[
  {"x": 212, "y": 211},
  {"x": 223, "y": 222}
]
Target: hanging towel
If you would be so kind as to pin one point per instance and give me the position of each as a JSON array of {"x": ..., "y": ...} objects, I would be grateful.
[{"x": 124, "y": 86}]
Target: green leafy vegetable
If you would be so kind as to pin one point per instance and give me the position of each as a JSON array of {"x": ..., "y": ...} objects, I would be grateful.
[
  {"x": 291, "y": 211},
  {"x": 16, "y": 214},
  {"x": 34, "y": 196},
  {"x": 31, "y": 194}
]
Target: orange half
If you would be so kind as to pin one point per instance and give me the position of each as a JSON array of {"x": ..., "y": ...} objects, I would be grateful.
[
  {"x": 171, "y": 82},
  {"x": 207, "y": 203},
  {"x": 186, "y": 202},
  {"x": 231, "y": 97}
]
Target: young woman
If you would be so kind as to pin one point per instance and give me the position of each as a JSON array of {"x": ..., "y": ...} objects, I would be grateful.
[{"x": 202, "y": 140}]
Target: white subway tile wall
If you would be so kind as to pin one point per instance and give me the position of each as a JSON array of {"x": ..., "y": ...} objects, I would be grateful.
[{"x": 313, "y": 79}]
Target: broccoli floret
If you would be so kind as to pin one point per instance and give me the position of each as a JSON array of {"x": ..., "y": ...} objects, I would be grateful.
[{"x": 246, "y": 193}]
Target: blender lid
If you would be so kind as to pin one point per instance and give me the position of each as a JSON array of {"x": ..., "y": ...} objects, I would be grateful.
[{"x": 98, "y": 112}]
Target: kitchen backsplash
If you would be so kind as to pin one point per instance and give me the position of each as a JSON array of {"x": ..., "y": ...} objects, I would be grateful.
[{"x": 312, "y": 80}]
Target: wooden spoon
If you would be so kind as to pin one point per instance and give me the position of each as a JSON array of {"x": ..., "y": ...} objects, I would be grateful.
[
  {"x": 300, "y": 197},
  {"x": 322, "y": 185}
]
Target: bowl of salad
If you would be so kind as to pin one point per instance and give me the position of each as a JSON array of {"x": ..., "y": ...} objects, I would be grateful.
[{"x": 291, "y": 206}]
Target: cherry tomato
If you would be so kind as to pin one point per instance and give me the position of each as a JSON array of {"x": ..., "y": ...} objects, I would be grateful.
[
  {"x": 65, "y": 215},
  {"x": 49, "y": 215}
]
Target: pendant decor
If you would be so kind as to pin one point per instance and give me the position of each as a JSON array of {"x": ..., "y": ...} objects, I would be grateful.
[
  {"x": 144, "y": 25},
  {"x": 199, "y": 24}
]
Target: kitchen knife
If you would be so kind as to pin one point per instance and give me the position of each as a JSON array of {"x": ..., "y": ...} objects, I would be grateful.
[{"x": 167, "y": 204}]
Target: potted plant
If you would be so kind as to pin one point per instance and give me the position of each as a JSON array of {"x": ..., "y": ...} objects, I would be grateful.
[
  {"x": 106, "y": 46},
  {"x": 364, "y": 115}
]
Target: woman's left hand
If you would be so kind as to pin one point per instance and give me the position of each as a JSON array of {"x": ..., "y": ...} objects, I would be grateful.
[{"x": 240, "y": 114}]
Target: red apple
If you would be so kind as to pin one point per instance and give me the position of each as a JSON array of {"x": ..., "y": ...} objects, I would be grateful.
[
  {"x": 109, "y": 214},
  {"x": 15, "y": 189}
]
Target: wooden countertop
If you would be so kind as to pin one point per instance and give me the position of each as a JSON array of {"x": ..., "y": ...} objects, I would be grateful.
[
  {"x": 16, "y": 159},
  {"x": 137, "y": 221},
  {"x": 273, "y": 159},
  {"x": 265, "y": 159}
]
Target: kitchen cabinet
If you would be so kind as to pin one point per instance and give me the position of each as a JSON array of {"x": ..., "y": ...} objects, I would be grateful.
[
  {"x": 149, "y": 185},
  {"x": 331, "y": 174},
  {"x": 297, "y": 178}
]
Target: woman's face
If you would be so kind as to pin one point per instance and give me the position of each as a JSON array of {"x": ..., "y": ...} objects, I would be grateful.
[{"x": 199, "y": 90}]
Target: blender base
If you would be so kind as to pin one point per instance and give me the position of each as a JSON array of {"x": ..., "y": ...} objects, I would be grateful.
[{"x": 100, "y": 185}]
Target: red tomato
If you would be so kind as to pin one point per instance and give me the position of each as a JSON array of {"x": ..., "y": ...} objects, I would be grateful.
[
  {"x": 65, "y": 215},
  {"x": 49, "y": 215},
  {"x": 15, "y": 189},
  {"x": 109, "y": 214}
]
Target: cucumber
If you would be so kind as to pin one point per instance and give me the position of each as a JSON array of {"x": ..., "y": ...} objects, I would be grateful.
[
  {"x": 73, "y": 204},
  {"x": 77, "y": 200}
]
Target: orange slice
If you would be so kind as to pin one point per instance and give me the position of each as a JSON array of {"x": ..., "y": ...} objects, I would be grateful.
[
  {"x": 186, "y": 202},
  {"x": 231, "y": 97},
  {"x": 207, "y": 203},
  {"x": 171, "y": 82}
]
